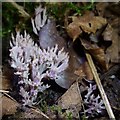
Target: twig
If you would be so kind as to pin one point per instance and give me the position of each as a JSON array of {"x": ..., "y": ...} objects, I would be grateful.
[
  {"x": 20, "y": 9},
  {"x": 10, "y": 97},
  {"x": 100, "y": 87},
  {"x": 40, "y": 112},
  {"x": 4, "y": 91}
]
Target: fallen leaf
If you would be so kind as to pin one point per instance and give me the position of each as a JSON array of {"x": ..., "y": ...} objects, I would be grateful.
[
  {"x": 84, "y": 71},
  {"x": 74, "y": 30},
  {"x": 112, "y": 33},
  {"x": 8, "y": 105},
  {"x": 6, "y": 78},
  {"x": 112, "y": 86},
  {"x": 97, "y": 52},
  {"x": 31, "y": 114},
  {"x": 114, "y": 8},
  {"x": 68, "y": 76},
  {"x": 91, "y": 24},
  {"x": 107, "y": 34},
  {"x": 49, "y": 36},
  {"x": 71, "y": 99},
  {"x": 101, "y": 8},
  {"x": 1, "y": 105},
  {"x": 87, "y": 23},
  {"x": 6, "y": 85},
  {"x": 114, "y": 50}
]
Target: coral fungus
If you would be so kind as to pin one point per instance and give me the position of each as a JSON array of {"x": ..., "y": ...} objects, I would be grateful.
[
  {"x": 94, "y": 104},
  {"x": 32, "y": 64}
]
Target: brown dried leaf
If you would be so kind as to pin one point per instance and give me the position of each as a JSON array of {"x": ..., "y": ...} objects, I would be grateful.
[
  {"x": 101, "y": 7},
  {"x": 91, "y": 24},
  {"x": 6, "y": 77},
  {"x": 74, "y": 30},
  {"x": 88, "y": 23},
  {"x": 5, "y": 83},
  {"x": 107, "y": 34},
  {"x": 84, "y": 71},
  {"x": 31, "y": 114},
  {"x": 8, "y": 105},
  {"x": 97, "y": 52},
  {"x": 113, "y": 51},
  {"x": 49, "y": 36},
  {"x": 71, "y": 99},
  {"x": 112, "y": 86},
  {"x": 80, "y": 72},
  {"x": 112, "y": 34}
]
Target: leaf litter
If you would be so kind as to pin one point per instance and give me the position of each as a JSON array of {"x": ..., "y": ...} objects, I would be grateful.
[{"x": 96, "y": 35}]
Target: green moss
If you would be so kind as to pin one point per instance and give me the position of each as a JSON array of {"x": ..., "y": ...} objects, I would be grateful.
[
  {"x": 57, "y": 10},
  {"x": 12, "y": 19}
]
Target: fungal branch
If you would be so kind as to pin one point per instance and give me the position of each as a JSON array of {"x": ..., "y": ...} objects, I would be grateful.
[
  {"x": 27, "y": 56},
  {"x": 100, "y": 87}
]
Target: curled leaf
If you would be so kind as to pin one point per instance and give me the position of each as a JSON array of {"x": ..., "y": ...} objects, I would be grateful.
[
  {"x": 84, "y": 71},
  {"x": 8, "y": 106},
  {"x": 49, "y": 36},
  {"x": 74, "y": 30},
  {"x": 97, "y": 52},
  {"x": 107, "y": 34},
  {"x": 87, "y": 23},
  {"x": 71, "y": 99},
  {"x": 110, "y": 35}
]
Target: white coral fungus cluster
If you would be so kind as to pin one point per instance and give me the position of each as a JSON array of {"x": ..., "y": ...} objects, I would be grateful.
[
  {"x": 94, "y": 104},
  {"x": 32, "y": 64},
  {"x": 40, "y": 19}
]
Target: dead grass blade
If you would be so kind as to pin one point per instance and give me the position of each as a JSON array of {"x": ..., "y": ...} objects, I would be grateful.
[{"x": 100, "y": 87}]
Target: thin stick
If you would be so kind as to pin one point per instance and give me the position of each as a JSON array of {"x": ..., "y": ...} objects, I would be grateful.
[
  {"x": 4, "y": 91},
  {"x": 19, "y": 8},
  {"x": 100, "y": 87},
  {"x": 10, "y": 97},
  {"x": 40, "y": 112}
]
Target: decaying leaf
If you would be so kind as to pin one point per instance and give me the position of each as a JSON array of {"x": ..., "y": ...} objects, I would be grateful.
[
  {"x": 91, "y": 24},
  {"x": 97, "y": 52},
  {"x": 101, "y": 7},
  {"x": 74, "y": 30},
  {"x": 107, "y": 34},
  {"x": 67, "y": 78},
  {"x": 112, "y": 51},
  {"x": 6, "y": 78},
  {"x": 49, "y": 36},
  {"x": 112, "y": 86},
  {"x": 1, "y": 104},
  {"x": 69, "y": 75},
  {"x": 0, "y": 77},
  {"x": 5, "y": 83},
  {"x": 88, "y": 23},
  {"x": 31, "y": 114},
  {"x": 8, "y": 105},
  {"x": 110, "y": 11},
  {"x": 84, "y": 71},
  {"x": 71, "y": 99}
]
